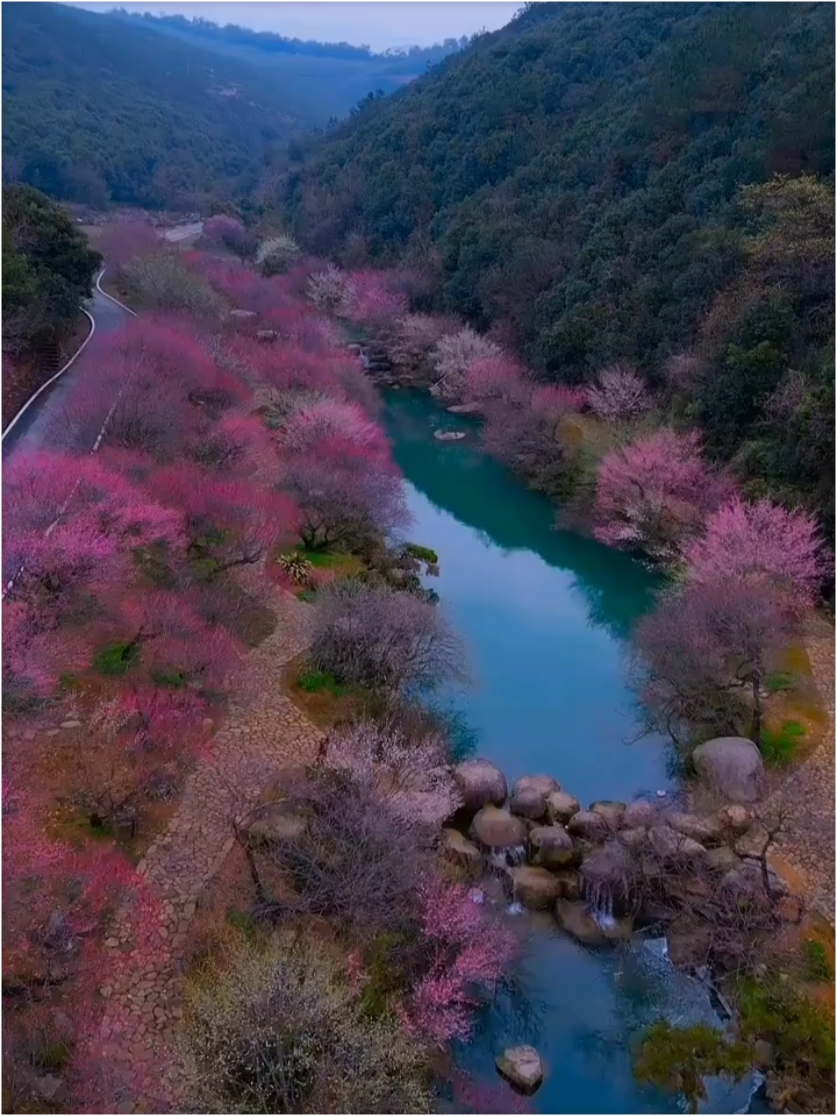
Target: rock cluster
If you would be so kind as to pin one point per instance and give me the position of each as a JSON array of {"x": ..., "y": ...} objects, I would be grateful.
[{"x": 614, "y": 866}]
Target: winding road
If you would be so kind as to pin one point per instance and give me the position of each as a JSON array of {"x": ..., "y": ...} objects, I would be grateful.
[{"x": 28, "y": 428}]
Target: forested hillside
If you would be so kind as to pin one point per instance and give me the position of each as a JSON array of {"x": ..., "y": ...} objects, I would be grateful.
[
  {"x": 164, "y": 113},
  {"x": 577, "y": 183}
]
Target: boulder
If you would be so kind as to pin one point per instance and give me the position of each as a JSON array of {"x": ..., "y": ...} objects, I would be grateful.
[
  {"x": 460, "y": 850},
  {"x": 709, "y": 831},
  {"x": 529, "y": 795},
  {"x": 480, "y": 783},
  {"x": 753, "y": 842},
  {"x": 266, "y": 335},
  {"x": 569, "y": 884},
  {"x": 534, "y": 887},
  {"x": 688, "y": 942},
  {"x": 732, "y": 766},
  {"x": 522, "y": 1067},
  {"x": 633, "y": 837},
  {"x": 551, "y": 846},
  {"x": 591, "y": 826},
  {"x": 737, "y": 819},
  {"x": 242, "y": 314},
  {"x": 449, "y": 435},
  {"x": 746, "y": 882},
  {"x": 670, "y": 845},
  {"x": 639, "y": 815},
  {"x": 465, "y": 409},
  {"x": 576, "y": 920},
  {"x": 722, "y": 859},
  {"x": 273, "y": 823},
  {"x": 498, "y": 829},
  {"x": 612, "y": 812},
  {"x": 560, "y": 807}
]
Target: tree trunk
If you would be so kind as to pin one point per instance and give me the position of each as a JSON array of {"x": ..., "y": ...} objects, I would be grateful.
[{"x": 755, "y": 723}]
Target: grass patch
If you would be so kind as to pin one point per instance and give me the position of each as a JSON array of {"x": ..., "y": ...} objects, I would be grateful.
[
  {"x": 307, "y": 595},
  {"x": 171, "y": 679},
  {"x": 422, "y": 553},
  {"x": 779, "y": 746},
  {"x": 815, "y": 960},
  {"x": 116, "y": 659},
  {"x": 243, "y": 922},
  {"x": 778, "y": 681},
  {"x": 321, "y": 682}
]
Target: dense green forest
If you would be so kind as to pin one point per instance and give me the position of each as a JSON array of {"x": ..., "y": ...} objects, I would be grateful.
[
  {"x": 163, "y": 113},
  {"x": 577, "y": 181},
  {"x": 48, "y": 269}
]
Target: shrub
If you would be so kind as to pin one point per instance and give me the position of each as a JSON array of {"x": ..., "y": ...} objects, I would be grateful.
[
  {"x": 817, "y": 965},
  {"x": 619, "y": 394},
  {"x": 297, "y": 567},
  {"x": 162, "y": 280},
  {"x": 329, "y": 289},
  {"x": 679, "y": 1058},
  {"x": 453, "y": 357},
  {"x": 277, "y": 255},
  {"x": 275, "y": 1027},
  {"x": 383, "y": 640},
  {"x": 779, "y": 746}
]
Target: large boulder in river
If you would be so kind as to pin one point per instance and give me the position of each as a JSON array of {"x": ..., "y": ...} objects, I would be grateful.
[
  {"x": 668, "y": 844},
  {"x": 522, "y": 1067},
  {"x": 561, "y": 806},
  {"x": 529, "y": 795},
  {"x": 732, "y": 766},
  {"x": 498, "y": 829},
  {"x": 708, "y": 831},
  {"x": 534, "y": 887},
  {"x": 480, "y": 783},
  {"x": 551, "y": 847},
  {"x": 612, "y": 812},
  {"x": 461, "y": 851},
  {"x": 577, "y": 921},
  {"x": 591, "y": 826}
]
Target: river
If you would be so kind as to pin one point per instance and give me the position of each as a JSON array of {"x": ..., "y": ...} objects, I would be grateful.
[{"x": 546, "y": 616}]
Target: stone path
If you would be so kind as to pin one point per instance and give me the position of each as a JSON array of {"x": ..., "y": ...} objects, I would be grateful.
[
  {"x": 263, "y": 731},
  {"x": 807, "y": 794}
]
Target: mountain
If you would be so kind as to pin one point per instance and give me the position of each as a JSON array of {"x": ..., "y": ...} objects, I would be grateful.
[
  {"x": 648, "y": 184},
  {"x": 574, "y": 175},
  {"x": 164, "y": 112}
]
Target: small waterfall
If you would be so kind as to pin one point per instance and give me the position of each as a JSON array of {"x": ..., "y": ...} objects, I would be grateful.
[
  {"x": 598, "y": 894},
  {"x": 508, "y": 858}
]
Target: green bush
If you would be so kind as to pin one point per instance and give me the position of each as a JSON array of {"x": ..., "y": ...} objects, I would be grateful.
[
  {"x": 779, "y": 747},
  {"x": 116, "y": 659},
  {"x": 817, "y": 965},
  {"x": 778, "y": 681},
  {"x": 679, "y": 1058},
  {"x": 320, "y": 681}
]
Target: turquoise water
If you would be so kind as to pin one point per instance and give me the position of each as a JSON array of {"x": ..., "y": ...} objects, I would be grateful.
[{"x": 546, "y": 615}]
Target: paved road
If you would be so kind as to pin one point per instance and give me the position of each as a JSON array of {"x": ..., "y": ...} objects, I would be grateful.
[{"x": 30, "y": 429}]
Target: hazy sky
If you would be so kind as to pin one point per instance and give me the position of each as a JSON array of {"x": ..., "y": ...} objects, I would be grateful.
[{"x": 381, "y": 25}]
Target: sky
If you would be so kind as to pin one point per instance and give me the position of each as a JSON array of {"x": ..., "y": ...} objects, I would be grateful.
[{"x": 380, "y": 25}]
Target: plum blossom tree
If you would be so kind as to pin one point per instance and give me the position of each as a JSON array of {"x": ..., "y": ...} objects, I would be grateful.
[
  {"x": 124, "y": 241},
  {"x": 416, "y": 335},
  {"x": 497, "y": 378},
  {"x": 619, "y": 395},
  {"x": 345, "y": 494},
  {"x": 460, "y": 952},
  {"x": 371, "y": 301},
  {"x": 761, "y": 540},
  {"x": 328, "y": 418},
  {"x": 228, "y": 232},
  {"x": 703, "y": 655},
  {"x": 453, "y": 356},
  {"x": 654, "y": 494},
  {"x": 330, "y": 290},
  {"x": 388, "y": 641}
]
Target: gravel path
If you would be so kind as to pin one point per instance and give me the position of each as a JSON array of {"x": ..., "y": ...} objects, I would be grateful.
[
  {"x": 264, "y": 730},
  {"x": 806, "y": 795}
]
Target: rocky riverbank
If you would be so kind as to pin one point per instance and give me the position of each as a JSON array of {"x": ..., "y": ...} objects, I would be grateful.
[{"x": 617, "y": 868}]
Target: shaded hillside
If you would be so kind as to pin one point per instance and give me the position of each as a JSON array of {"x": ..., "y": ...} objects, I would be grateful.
[
  {"x": 574, "y": 174},
  {"x": 94, "y": 110},
  {"x": 321, "y": 80}
]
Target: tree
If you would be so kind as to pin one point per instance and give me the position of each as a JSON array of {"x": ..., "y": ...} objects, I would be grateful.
[
  {"x": 703, "y": 655},
  {"x": 277, "y": 254},
  {"x": 654, "y": 494},
  {"x": 309, "y": 426},
  {"x": 385, "y": 640},
  {"x": 48, "y": 269},
  {"x": 345, "y": 494},
  {"x": 494, "y": 378},
  {"x": 618, "y": 395},
  {"x": 229, "y": 232},
  {"x": 753, "y": 541},
  {"x": 371, "y": 301},
  {"x": 454, "y": 355}
]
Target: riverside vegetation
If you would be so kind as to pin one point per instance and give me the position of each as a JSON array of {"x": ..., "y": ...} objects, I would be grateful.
[{"x": 261, "y": 453}]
